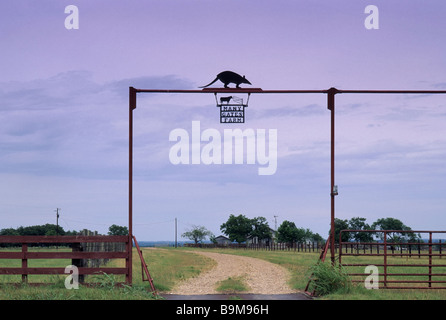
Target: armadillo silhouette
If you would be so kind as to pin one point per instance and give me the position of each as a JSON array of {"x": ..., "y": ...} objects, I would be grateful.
[{"x": 228, "y": 77}]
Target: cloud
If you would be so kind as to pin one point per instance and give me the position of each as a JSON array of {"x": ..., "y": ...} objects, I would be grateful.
[
  {"x": 68, "y": 124},
  {"x": 150, "y": 82}
]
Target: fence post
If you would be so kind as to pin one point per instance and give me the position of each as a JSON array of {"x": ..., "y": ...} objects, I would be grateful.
[
  {"x": 24, "y": 262},
  {"x": 385, "y": 259},
  {"x": 78, "y": 262},
  {"x": 430, "y": 259}
]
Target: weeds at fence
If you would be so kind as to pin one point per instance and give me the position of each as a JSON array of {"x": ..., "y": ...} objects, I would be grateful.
[{"x": 328, "y": 278}]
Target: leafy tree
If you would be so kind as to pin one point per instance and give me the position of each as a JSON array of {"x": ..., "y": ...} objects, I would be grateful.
[
  {"x": 288, "y": 232},
  {"x": 309, "y": 236},
  {"x": 260, "y": 228},
  {"x": 9, "y": 232},
  {"x": 394, "y": 224},
  {"x": 339, "y": 226},
  {"x": 316, "y": 237},
  {"x": 237, "y": 228},
  {"x": 115, "y": 230},
  {"x": 358, "y": 223},
  {"x": 197, "y": 234},
  {"x": 41, "y": 230}
]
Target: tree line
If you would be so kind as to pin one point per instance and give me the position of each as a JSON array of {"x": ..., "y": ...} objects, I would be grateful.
[
  {"x": 358, "y": 223},
  {"x": 55, "y": 230},
  {"x": 240, "y": 228}
]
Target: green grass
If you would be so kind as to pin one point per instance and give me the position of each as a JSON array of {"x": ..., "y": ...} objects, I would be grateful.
[
  {"x": 232, "y": 285},
  {"x": 168, "y": 267}
]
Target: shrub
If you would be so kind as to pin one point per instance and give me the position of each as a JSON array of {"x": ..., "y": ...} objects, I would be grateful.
[{"x": 327, "y": 278}]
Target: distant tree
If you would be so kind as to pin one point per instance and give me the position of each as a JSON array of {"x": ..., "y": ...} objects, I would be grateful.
[
  {"x": 41, "y": 230},
  {"x": 237, "y": 228},
  {"x": 309, "y": 236},
  {"x": 358, "y": 223},
  {"x": 339, "y": 226},
  {"x": 197, "y": 234},
  {"x": 260, "y": 228},
  {"x": 115, "y": 230},
  {"x": 288, "y": 232},
  {"x": 394, "y": 224},
  {"x": 316, "y": 237},
  {"x": 9, "y": 232},
  {"x": 213, "y": 239}
]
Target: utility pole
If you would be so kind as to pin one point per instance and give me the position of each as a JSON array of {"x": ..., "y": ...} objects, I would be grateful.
[
  {"x": 57, "y": 220},
  {"x": 175, "y": 232},
  {"x": 275, "y": 227},
  {"x": 57, "y": 223}
]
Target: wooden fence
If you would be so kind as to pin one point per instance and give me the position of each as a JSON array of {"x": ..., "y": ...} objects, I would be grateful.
[
  {"x": 98, "y": 247},
  {"x": 78, "y": 255},
  {"x": 297, "y": 247}
]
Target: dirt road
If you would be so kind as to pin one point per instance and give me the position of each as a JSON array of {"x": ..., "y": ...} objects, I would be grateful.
[{"x": 260, "y": 276}]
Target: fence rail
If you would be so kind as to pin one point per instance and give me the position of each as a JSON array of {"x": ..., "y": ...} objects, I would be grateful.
[
  {"x": 297, "y": 247},
  {"x": 424, "y": 260},
  {"x": 77, "y": 255}
]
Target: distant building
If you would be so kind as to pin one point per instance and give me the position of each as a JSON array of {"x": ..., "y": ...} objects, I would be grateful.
[
  {"x": 265, "y": 242},
  {"x": 222, "y": 240}
]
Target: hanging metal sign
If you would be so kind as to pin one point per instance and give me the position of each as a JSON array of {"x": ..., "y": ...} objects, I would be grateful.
[{"x": 232, "y": 108}]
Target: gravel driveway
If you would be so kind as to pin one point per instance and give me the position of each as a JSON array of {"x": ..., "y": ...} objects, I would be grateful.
[{"x": 262, "y": 277}]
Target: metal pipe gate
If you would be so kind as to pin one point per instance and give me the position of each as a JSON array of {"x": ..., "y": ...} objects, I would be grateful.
[{"x": 426, "y": 260}]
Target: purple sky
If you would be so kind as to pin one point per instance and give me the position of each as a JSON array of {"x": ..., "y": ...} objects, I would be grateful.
[{"x": 64, "y": 112}]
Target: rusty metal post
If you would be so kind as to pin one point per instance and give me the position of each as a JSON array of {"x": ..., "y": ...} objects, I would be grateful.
[
  {"x": 132, "y": 106},
  {"x": 340, "y": 248},
  {"x": 430, "y": 260},
  {"x": 385, "y": 259},
  {"x": 331, "y": 106}
]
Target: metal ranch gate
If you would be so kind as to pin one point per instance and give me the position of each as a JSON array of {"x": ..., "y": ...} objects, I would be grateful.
[{"x": 400, "y": 264}]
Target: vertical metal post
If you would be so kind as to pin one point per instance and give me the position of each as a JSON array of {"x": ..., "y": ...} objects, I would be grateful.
[
  {"x": 340, "y": 248},
  {"x": 331, "y": 106},
  {"x": 132, "y": 106},
  {"x": 430, "y": 260},
  {"x": 385, "y": 259}
]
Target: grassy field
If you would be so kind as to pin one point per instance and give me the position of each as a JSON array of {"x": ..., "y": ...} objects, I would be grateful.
[{"x": 168, "y": 266}]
